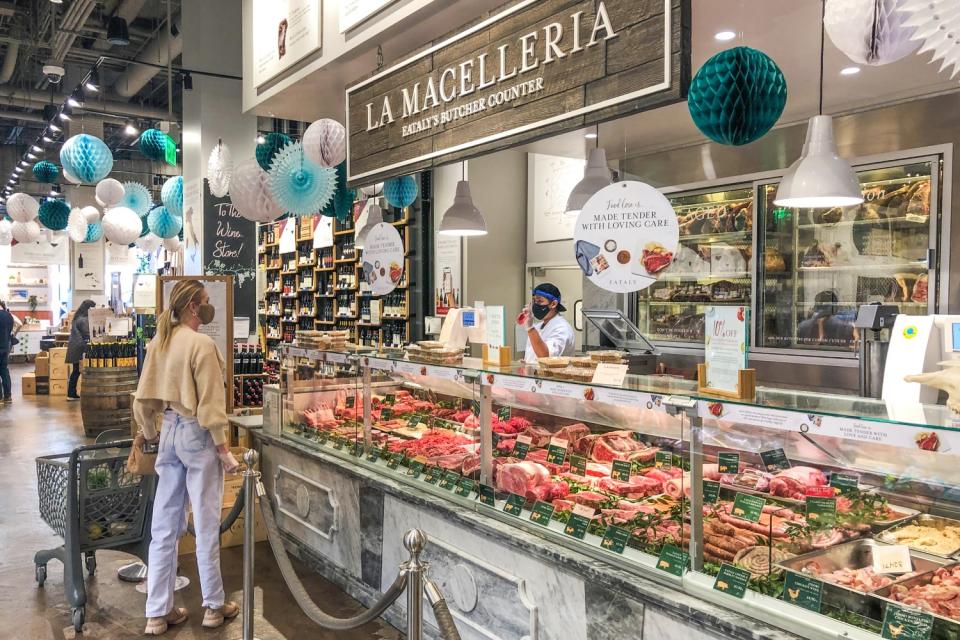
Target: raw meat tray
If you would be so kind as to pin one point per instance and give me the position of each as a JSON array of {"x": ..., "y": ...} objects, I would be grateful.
[
  {"x": 925, "y": 519},
  {"x": 943, "y": 628}
]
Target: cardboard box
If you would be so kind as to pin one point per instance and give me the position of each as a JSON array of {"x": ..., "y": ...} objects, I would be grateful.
[
  {"x": 29, "y": 384},
  {"x": 59, "y": 372},
  {"x": 232, "y": 537},
  {"x": 42, "y": 365},
  {"x": 58, "y": 355},
  {"x": 58, "y": 387}
]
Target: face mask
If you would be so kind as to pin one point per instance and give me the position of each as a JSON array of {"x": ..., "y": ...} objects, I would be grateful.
[
  {"x": 206, "y": 313},
  {"x": 540, "y": 311}
]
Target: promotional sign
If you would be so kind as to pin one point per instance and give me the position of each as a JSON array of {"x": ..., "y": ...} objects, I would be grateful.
[
  {"x": 496, "y": 330},
  {"x": 382, "y": 259},
  {"x": 40, "y": 252},
  {"x": 230, "y": 249},
  {"x": 284, "y": 32},
  {"x": 725, "y": 340},
  {"x": 88, "y": 267},
  {"x": 532, "y": 68},
  {"x": 144, "y": 291},
  {"x": 288, "y": 237},
  {"x": 626, "y": 236},
  {"x": 353, "y": 12}
]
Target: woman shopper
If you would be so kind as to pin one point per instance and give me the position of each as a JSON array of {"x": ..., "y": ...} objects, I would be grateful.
[
  {"x": 9, "y": 326},
  {"x": 77, "y": 345},
  {"x": 182, "y": 378}
]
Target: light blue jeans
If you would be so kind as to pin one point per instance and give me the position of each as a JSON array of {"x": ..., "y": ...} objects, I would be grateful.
[{"x": 188, "y": 468}]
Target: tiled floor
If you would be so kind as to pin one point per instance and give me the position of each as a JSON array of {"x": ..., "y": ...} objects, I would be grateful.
[{"x": 41, "y": 425}]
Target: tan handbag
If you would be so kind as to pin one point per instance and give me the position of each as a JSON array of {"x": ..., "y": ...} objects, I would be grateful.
[{"x": 139, "y": 462}]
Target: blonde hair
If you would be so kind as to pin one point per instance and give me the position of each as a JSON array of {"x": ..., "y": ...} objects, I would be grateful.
[{"x": 185, "y": 292}]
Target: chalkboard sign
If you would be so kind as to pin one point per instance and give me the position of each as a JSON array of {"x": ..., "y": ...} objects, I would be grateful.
[{"x": 230, "y": 248}]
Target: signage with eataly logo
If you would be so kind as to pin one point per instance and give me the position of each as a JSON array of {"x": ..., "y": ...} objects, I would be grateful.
[{"x": 533, "y": 68}]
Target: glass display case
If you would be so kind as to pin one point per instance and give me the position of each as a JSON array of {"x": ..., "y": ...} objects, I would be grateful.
[
  {"x": 711, "y": 266},
  {"x": 819, "y": 265}
]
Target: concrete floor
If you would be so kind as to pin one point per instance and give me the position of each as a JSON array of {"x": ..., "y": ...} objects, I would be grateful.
[{"x": 41, "y": 425}]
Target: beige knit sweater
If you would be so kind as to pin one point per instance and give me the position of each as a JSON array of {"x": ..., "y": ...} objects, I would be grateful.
[{"x": 187, "y": 377}]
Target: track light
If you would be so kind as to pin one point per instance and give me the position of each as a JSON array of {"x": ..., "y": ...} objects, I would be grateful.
[
  {"x": 47, "y": 138},
  {"x": 130, "y": 129},
  {"x": 64, "y": 116},
  {"x": 55, "y": 190},
  {"x": 36, "y": 148},
  {"x": 56, "y": 128},
  {"x": 76, "y": 99},
  {"x": 32, "y": 156},
  {"x": 49, "y": 111},
  {"x": 261, "y": 139},
  {"x": 93, "y": 80},
  {"x": 118, "y": 32},
  {"x": 56, "y": 1},
  {"x": 24, "y": 163},
  {"x": 187, "y": 82},
  {"x": 18, "y": 169}
]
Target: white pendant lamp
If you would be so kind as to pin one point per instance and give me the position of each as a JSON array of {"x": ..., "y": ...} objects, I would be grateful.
[
  {"x": 595, "y": 177},
  {"x": 820, "y": 178},
  {"x": 463, "y": 218},
  {"x": 374, "y": 217}
]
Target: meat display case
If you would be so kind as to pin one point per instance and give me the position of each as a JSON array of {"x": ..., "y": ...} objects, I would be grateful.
[{"x": 773, "y": 508}]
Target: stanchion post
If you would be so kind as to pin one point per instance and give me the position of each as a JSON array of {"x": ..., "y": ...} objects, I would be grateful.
[
  {"x": 415, "y": 541},
  {"x": 250, "y": 478}
]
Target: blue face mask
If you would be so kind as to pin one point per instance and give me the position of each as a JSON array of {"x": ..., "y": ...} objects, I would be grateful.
[{"x": 540, "y": 311}]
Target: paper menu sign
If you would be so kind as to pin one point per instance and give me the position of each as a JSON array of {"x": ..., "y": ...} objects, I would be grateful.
[
  {"x": 609, "y": 374},
  {"x": 288, "y": 238},
  {"x": 725, "y": 341},
  {"x": 144, "y": 291},
  {"x": 495, "y": 329},
  {"x": 891, "y": 559}
]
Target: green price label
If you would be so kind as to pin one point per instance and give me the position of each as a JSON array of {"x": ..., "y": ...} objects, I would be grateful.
[
  {"x": 465, "y": 487},
  {"x": 414, "y": 420},
  {"x": 748, "y": 507},
  {"x": 504, "y": 413},
  {"x": 774, "y": 460},
  {"x": 663, "y": 460},
  {"x": 621, "y": 470},
  {"x": 514, "y": 504},
  {"x": 395, "y": 460},
  {"x": 728, "y": 462},
  {"x": 322, "y": 437},
  {"x": 672, "y": 560},
  {"x": 578, "y": 465},
  {"x": 615, "y": 539},
  {"x": 556, "y": 455},
  {"x": 415, "y": 468},
  {"x": 520, "y": 450},
  {"x": 822, "y": 511},
  {"x": 542, "y": 513},
  {"x": 732, "y": 580},
  {"x": 386, "y": 414},
  {"x": 845, "y": 482},
  {"x": 433, "y": 474},
  {"x": 449, "y": 480},
  {"x": 390, "y": 399},
  {"x": 338, "y": 442},
  {"x": 900, "y": 623},
  {"x": 487, "y": 495},
  {"x": 358, "y": 449},
  {"x": 802, "y": 591},
  {"x": 351, "y": 401},
  {"x": 577, "y": 526},
  {"x": 711, "y": 491},
  {"x": 374, "y": 454}
]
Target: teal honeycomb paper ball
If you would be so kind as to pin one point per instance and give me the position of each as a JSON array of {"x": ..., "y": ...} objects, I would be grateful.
[
  {"x": 299, "y": 185},
  {"x": 54, "y": 214},
  {"x": 136, "y": 197},
  {"x": 164, "y": 224},
  {"x": 157, "y": 145},
  {"x": 86, "y": 158},
  {"x": 270, "y": 147},
  {"x": 343, "y": 197},
  {"x": 737, "y": 96},
  {"x": 400, "y": 192},
  {"x": 94, "y": 232},
  {"x": 46, "y": 171},
  {"x": 172, "y": 195},
  {"x": 145, "y": 228}
]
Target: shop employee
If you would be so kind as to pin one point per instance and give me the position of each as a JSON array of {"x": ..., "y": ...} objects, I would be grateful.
[{"x": 548, "y": 333}]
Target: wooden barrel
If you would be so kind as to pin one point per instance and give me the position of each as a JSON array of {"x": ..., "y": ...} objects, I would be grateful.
[{"x": 106, "y": 397}]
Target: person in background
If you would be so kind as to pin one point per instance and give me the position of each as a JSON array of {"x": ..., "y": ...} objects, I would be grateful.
[
  {"x": 826, "y": 326},
  {"x": 548, "y": 333},
  {"x": 77, "y": 345},
  {"x": 9, "y": 326},
  {"x": 182, "y": 379}
]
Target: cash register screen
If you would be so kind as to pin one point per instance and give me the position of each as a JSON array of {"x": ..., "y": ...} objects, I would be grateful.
[{"x": 956, "y": 335}]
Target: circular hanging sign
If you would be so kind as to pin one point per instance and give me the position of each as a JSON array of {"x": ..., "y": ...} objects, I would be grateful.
[
  {"x": 626, "y": 236},
  {"x": 382, "y": 259}
]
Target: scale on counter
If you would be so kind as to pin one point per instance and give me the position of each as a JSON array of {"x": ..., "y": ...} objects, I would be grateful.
[{"x": 615, "y": 331}]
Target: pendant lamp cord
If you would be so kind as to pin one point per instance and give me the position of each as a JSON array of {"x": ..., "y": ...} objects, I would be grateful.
[
  {"x": 823, "y": 14},
  {"x": 597, "y": 139},
  {"x": 463, "y": 170}
]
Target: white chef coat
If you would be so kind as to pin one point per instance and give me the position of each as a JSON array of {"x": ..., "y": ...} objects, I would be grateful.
[{"x": 557, "y": 335}]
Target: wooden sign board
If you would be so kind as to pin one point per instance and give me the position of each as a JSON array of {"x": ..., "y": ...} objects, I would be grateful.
[{"x": 531, "y": 69}]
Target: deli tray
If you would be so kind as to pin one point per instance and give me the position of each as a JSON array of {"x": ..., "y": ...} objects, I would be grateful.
[
  {"x": 924, "y": 520},
  {"x": 944, "y": 628}
]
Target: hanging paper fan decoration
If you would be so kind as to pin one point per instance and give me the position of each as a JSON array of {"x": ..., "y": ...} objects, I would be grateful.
[
  {"x": 268, "y": 149},
  {"x": 343, "y": 197},
  {"x": 299, "y": 185},
  {"x": 400, "y": 192},
  {"x": 251, "y": 195},
  {"x": 737, "y": 96},
  {"x": 136, "y": 197},
  {"x": 45, "y": 171},
  {"x": 54, "y": 214},
  {"x": 91, "y": 213},
  {"x": 163, "y": 223},
  {"x": 148, "y": 243},
  {"x": 86, "y": 158},
  {"x": 26, "y": 232},
  {"x": 72, "y": 179},
  {"x": 936, "y": 24},
  {"x": 22, "y": 208},
  {"x": 94, "y": 232},
  {"x": 121, "y": 225},
  {"x": 219, "y": 170},
  {"x": 6, "y": 232},
  {"x": 324, "y": 142},
  {"x": 110, "y": 192},
  {"x": 373, "y": 190},
  {"x": 77, "y": 225},
  {"x": 868, "y": 31},
  {"x": 171, "y": 244},
  {"x": 172, "y": 195}
]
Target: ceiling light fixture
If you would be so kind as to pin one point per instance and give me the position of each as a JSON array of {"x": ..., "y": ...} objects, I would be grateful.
[
  {"x": 24, "y": 163},
  {"x": 849, "y": 71},
  {"x": 130, "y": 129},
  {"x": 47, "y": 138},
  {"x": 463, "y": 218},
  {"x": 819, "y": 178},
  {"x": 65, "y": 113},
  {"x": 590, "y": 136},
  {"x": 31, "y": 156},
  {"x": 92, "y": 82},
  {"x": 260, "y": 139},
  {"x": 56, "y": 128},
  {"x": 724, "y": 36},
  {"x": 374, "y": 217},
  {"x": 36, "y": 148},
  {"x": 18, "y": 169},
  {"x": 118, "y": 32},
  {"x": 187, "y": 81},
  {"x": 76, "y": 99},
  {"x": 596, "y": 176},
  {"x": 54, "y": 190}
]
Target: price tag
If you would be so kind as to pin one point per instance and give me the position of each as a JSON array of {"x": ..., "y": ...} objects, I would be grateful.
[
  {"x": 449, "y": 480},
  {"x": 802, "y": 591},
  {"x": 374, "y": 454},
  {"x": 487, "y": 495},
  {"x": 845, "y": 482},
  {"x": 672, "y": 560},
  {"x": 891, "y": 559},
  {"x": 386, "y": 413},
  {"x": 663, "y": 460},
  {"x": 504, "y": 414},
  {"x": 522, "y": 447},
  {"x": 415, "y": 467},
  {"x": 621, "y": 470},
  {"x": 395, "y": 460},
  {"x": 732, "y": 580},
  {"x": 390, "y": 398},
  {"x": 577, "y": 526},
  {"x": 351, "y": 401},
  {"x": 542, "y": 513},
  {"x": 514, "y": 504},
  {"x": 901, "y": 623},
  {"x": 465, "y": 487},
  {"x": 775, "y": 460},
  {"x": 615, "y": 539},
  {"x": 822, "y": 511},
  {"x": 433, "y": 474},
  {"x": 578, "y": 465},
  {"x": 557, "y": 451},
  {"x": 711, "y": 491},
  {"x": 748, "y": 507},
  {"x": 414, "y": 420},
  {"x": 609, "y": 374},
  {"x": 358, "y": 449},
  {"x": 728, "y": 462}
]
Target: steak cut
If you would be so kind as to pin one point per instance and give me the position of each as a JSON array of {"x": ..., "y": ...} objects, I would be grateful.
[
  {"x": 521, "y": 477},
  {"x": 572, "y": 433},
  {"x": 615, "y": 445}
]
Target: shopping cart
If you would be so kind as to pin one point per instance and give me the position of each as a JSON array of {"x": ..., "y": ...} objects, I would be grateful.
[{"x": 88, "y": 497}]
